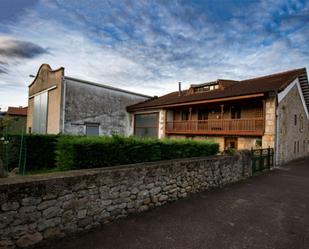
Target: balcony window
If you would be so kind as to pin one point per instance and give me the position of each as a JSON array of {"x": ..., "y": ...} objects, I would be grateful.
[
  {"x": 203, "y": 114},
  {"x": 185, "y": 115},
  {"x": 235, "y": 112}
]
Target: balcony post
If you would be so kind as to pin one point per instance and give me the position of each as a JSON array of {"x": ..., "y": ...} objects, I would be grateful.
[
  {"x": 222, "y": 111},
  {"x": 190, "y": 117}
]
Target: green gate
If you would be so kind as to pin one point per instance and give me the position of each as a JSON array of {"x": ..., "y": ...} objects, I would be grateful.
[{"x": 262, "y": 159}]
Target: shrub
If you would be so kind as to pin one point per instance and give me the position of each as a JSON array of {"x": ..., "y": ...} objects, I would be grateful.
[
  {"x": 90, "y": 152},
  {"x": 37, "y": 150}
]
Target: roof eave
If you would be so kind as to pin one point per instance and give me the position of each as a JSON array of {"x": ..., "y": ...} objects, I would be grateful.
[{"x": 248, "y": 96}]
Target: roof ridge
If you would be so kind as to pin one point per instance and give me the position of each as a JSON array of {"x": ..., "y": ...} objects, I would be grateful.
[
  {"x": 106, "y": 86},
  {"x": 274, "y": 74}
]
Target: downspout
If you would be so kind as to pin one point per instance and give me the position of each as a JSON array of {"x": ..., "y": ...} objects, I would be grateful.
[
  {"x": 277, "y": 124},
  {"x": 63, "y": 104}
]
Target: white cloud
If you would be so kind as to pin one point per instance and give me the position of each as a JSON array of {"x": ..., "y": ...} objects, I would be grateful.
[{"x": 149, "y": 47}]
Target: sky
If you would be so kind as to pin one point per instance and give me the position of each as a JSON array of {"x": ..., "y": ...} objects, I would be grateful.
[{"x": 149, "y": 46}]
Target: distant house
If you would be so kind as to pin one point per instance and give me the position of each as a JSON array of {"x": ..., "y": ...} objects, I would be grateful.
[
  {"x": 269, "y": 111},
  {"x": 14, "y": 120},
  {"x": 62, "y": 104}
]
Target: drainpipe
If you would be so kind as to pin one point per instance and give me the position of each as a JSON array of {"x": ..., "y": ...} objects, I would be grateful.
[
  {"x": 277, "y": 129},
  {"x": 63, "y": 104}
]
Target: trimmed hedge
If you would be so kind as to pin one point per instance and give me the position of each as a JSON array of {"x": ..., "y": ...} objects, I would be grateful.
[
  {"x": 38, "y": 151},
  {"x": 92, "y": 152}
]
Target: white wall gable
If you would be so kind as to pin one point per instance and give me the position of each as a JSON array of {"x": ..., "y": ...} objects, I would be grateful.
[{"x": 282, "y": 94}]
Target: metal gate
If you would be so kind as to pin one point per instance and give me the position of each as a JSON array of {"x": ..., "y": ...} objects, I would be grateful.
[{"x": 262, "y": 159}]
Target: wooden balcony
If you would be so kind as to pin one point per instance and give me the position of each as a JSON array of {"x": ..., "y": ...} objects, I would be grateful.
[{"x": 249, "y": 127}]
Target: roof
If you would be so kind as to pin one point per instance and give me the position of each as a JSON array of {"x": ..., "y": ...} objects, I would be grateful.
[
  {"x": 229, "y": 88},
  {"x": 49, "y": 69},
  {"x": 46, "y": 66},
  {"x": 17, "y": 111},
  {"x": 107, "y": 87}
]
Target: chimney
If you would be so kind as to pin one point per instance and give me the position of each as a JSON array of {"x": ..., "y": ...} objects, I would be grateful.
[{"x": 179, "y": 88}]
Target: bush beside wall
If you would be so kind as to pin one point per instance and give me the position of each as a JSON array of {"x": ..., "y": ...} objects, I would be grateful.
[
  {"x": 38, "y": 150},
  {"x": 77, "y": 152},
  {"x": 93, "y": 152}
]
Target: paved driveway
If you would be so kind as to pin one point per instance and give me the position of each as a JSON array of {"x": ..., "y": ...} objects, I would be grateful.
[{"x": 267, "y": 211}]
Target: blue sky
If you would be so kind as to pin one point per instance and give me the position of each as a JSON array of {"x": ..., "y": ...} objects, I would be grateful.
[{"x": 149, "y": 46}]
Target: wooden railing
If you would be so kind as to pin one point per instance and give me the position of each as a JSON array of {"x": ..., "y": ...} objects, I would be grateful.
[{"x": 253, "y": 126}]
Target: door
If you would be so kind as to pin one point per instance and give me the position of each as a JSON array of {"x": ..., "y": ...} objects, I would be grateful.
[
  {"x": 236, "y": 112},
  {"x": 230, "y": 143}
]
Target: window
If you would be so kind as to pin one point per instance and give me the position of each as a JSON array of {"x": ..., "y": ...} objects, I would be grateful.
[
  {"x": 202, "y": 114},
  {"x": 146, "y": 125},
  {"x": 92, "y": 129},
  {"x": 294, "y": 147},
  {"x": 295, "y": 119},
  {"x": 185, "y": 115},
  {"x": 258, "y": 143},
  {"x": 301, "y": 123},
  {"x": 297, "y": 146},
  {"x": 235, "y": 112},
  {"x": 206, "y": 88},
  {"x": 40, "y": 113},
  {"x": 259, "y": 113}
]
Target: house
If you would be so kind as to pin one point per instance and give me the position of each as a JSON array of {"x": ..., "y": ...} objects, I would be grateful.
[
  {"x": 269, "y": 111},
  {"x": 62, "y": 104},
  {"x": 14, "y": 120}
]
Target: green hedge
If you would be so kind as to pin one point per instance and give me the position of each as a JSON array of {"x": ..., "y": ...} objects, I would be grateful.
[
  {"x": 37, "y": 150},
  {"x": 91, "y": 152}
]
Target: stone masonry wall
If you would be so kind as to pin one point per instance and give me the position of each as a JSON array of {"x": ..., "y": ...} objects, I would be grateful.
[
  {"x": 268, "y": 140},
  {"x": 88, "y": 103},
  {"x": 292, "y": 137},
  {"x": 38, "y": 208}
]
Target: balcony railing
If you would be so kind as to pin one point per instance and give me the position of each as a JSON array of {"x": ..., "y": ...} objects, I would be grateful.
[{"x": 217, "y": 127}]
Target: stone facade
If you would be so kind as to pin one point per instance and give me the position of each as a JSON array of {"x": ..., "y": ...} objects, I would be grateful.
[
  {"x": 268, "y": 139},
  {"x": 293, "y": 132},
  {"x": 39, "y": 208},
  {"x": 246, "y": 143},
  {"x": 90, "y": 103},
  {"x": 162, "y": 122}
]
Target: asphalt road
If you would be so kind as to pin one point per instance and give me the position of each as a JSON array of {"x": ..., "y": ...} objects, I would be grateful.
[{"x": 266, "y": 211}]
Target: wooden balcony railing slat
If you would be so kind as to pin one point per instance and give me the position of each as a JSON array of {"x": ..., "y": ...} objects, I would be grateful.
[{"x": 216, "y": 126}]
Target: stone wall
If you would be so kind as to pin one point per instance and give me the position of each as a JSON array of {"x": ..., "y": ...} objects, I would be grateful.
[
  {"x": 268, "y": 140},
  {"x": 292, "y": 137},
  {"x": 38, "y": 208}
]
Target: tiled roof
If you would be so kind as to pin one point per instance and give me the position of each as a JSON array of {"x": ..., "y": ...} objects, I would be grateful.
[
  {"x": 17, "y": 111},
  {"x": 270, "y": 83}
]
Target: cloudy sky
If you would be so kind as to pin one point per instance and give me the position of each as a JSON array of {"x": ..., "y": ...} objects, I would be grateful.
[{"x": 148, "y": 46}]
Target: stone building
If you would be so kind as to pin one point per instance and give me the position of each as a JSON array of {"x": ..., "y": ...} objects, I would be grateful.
[
  {"x": 62, "y": 104},
  {"x": 269, "y": 111}
]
